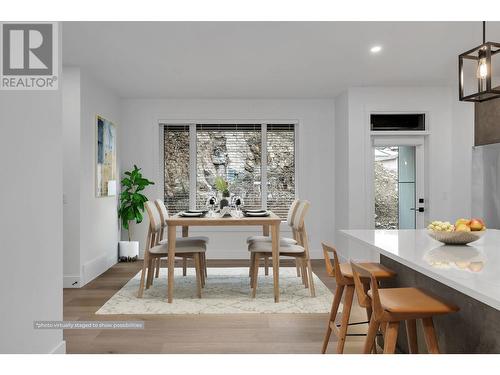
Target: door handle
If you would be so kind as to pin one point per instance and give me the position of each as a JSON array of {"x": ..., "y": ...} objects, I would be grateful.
[{"x": 419, "y": 209}]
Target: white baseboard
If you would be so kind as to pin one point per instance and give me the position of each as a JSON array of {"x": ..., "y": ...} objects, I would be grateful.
[
  {"x": 112, "y": 261},
  {"x": 71, "y": 281},
  {"x": 94, "y": 268},
  {"x": 60, "y": 348}
]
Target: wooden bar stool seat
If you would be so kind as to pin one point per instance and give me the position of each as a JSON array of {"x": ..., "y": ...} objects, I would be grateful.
[
  {"x": 379, "y": 270},
  {"x": 393, "y": 305},
  {"x": 411, "y": 301},
  {"x": 344, "y": 278}
]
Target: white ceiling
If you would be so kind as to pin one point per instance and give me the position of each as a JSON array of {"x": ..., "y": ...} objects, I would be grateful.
[{"x": 266, "y": 59}]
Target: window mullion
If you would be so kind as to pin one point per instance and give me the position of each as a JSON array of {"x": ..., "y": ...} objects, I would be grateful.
[
  {"x": 263, "y": 165},
  {"x": 192, "y": 166}
]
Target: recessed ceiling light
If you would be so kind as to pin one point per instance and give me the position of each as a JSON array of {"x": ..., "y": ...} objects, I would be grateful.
[{"x": 376, "y": 49}]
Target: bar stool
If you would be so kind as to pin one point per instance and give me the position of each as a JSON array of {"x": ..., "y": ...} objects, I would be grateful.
[
  {"x": 344, "y": 279},
  {"x": 393, "y": 305}
]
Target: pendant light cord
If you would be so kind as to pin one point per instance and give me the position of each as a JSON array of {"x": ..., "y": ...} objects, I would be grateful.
[{"x": 484, "y": 32}]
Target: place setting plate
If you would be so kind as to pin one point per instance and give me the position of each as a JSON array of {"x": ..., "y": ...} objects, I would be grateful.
[
  {"x": 256, "y": 213},
  {"x": 193, "y": 213}
]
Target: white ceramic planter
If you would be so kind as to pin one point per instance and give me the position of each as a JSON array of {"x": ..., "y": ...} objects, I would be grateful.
[{"x": 129, "y": 249}]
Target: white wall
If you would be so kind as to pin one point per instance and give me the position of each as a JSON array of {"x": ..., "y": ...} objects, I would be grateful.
[
  {"x": 462, "y": 143},
  {"x": 139, "y": 144},
  {"x": 449, "y": 125},
  {"x": 71, "y": 175},
  {"x": 91, "y": 223},
  {"x": 342, "y": 194},
  {"x": 31, "y": 220}
]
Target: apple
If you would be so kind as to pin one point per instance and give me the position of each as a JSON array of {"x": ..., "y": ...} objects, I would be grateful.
[
  {"x": 462, "y": 227},
  {"x": 476, "y": 225},
  {"x": 462, "y": 221}
]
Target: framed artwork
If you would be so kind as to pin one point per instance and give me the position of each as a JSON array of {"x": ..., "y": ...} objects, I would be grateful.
[{"x": 105, "y": 158}]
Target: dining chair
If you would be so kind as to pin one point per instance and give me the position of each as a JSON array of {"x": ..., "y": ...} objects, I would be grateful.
[
  {"x": 345, "y": 282},
  {"x": 299, "y": 251},
  {"x": 393, "y": 305},
  {"x": 185, "y": 249},
  {"x": 160, "y": 205},
  {"x": 283, "y": 240}
]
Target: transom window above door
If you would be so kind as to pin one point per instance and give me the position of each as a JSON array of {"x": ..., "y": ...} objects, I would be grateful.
[{"x": 195, "y": 154}]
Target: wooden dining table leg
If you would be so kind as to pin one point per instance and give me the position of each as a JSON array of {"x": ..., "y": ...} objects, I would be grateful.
[
  {"x": 171, "y": 260},
  {"x": 275, "y": 236},
  {"x": 185, "y": 233}
]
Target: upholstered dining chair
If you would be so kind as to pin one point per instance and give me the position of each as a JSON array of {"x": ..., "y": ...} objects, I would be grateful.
[
  {"x": 161, "y": 240},
  {"x": 190, "y": 249},
  {"x": 283, "y": 240},
  {"x": 299, "y": 251}
]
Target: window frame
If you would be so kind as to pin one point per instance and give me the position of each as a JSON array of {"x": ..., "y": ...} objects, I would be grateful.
[{"x": 193, "y": 160}]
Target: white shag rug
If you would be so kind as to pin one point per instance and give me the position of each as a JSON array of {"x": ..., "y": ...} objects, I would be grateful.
[{"x": 227, "y": 291}]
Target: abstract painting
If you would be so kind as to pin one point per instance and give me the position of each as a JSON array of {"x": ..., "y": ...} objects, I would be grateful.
[{"x": 105, "y": 158}]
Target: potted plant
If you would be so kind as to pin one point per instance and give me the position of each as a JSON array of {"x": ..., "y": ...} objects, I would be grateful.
[
  {"x": 131, "y": 209},
  {"x": 222, "y": 186}
]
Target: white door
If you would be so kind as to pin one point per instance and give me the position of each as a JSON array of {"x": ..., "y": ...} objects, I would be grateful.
[{"x": 398, "y": 182}]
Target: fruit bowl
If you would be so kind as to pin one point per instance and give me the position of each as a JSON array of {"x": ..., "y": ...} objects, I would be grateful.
[{"x": 456, "y": 238}]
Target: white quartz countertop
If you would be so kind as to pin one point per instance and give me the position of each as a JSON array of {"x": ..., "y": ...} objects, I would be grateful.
[{"x": 473, "y": 269}]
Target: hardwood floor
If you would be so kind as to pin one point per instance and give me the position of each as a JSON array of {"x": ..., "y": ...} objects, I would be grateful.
[{"x": 227, "y": 333}]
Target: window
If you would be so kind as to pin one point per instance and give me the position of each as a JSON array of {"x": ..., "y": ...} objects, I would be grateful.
[
  {"x": 280, "y": 168},
  {"x": 176, "y": 167},
  {"x": 397, "y": 122},
  {"x": 234, "y": 152}
]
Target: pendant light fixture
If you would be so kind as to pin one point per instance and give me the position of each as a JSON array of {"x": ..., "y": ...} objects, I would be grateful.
[{"x": 479, "y": 72}]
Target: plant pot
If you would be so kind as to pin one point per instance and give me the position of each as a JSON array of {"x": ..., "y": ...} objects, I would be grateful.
[
  {"x": 129, "y": 249},
  {"x": 223, "y": 203}
]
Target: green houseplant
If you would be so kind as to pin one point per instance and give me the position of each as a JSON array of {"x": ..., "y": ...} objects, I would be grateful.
[
  {"x": 223, "y": 187},
  {"x": 132, "y": 208}
]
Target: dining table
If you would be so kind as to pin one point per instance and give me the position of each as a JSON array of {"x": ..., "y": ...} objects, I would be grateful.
[{"x": 270, "y": 225}]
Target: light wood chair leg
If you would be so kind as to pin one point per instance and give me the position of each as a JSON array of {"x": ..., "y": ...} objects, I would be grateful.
[
  {"x": 430, "y": 336},
  {"x": 158, "y": 261},
  {"x": 297, "y": 266},
  {"x": 346, "y": 312},
  {"x": 255, "y": 274},
  {"x": 303, "y": 271},
  {"x": 202, "y": 271},
  {"x": 411, "y": 335},
  {"x": 184, "y": 266},
  {"x": 250, "y": 268},
  {"x": 333, "y": 315},
  {"x": 149, "y": 279},
  {"x": 197, "y": 266},
  {"x": 370, "y": 336},
  {"x": 205, "y": 265},
  {"x": 311, "y": 278},
  {"x": 266, "y": 266},
  {"x": 143, "y": 276},
  {"x": 391, "y": 337}
]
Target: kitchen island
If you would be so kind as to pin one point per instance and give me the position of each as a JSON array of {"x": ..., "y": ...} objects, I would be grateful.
[{"x": 468, "y": 276}]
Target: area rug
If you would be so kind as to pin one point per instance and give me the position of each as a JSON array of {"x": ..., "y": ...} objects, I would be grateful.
[{"x": 227, "y": 291}]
